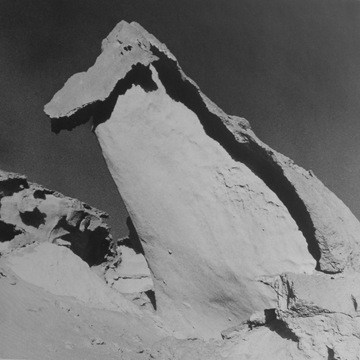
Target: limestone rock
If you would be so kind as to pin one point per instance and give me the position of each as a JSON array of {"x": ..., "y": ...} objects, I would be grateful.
[
  {"x": 214, "y": 207},
  {"x": 31, "y": 213}
]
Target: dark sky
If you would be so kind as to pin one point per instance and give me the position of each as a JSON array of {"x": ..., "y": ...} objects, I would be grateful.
[{"x": 291, "y": 67}]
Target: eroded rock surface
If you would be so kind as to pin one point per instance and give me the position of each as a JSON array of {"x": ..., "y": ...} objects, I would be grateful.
[
  {"x": 33, "y": 220},
  {"x": 216, "y": 209},
  {"x": 31, "y": 213}
]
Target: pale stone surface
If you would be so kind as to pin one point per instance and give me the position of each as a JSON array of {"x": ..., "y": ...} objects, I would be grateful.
[
  {"x": 36, "y": 324},
  {"x": 61, "y": 272}
]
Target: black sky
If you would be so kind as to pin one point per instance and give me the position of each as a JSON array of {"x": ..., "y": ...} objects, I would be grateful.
[{"x": 291, "y": 67}]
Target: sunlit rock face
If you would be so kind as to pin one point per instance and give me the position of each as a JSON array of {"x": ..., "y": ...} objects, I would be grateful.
[{"x": 216, "y": 210}]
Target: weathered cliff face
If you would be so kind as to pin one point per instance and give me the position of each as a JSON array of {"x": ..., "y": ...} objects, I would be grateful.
[
  {"x": 216, "y": 209},
  {"x": 31, "y": 213}
]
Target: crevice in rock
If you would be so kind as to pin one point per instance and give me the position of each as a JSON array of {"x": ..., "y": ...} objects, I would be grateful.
[
  {"x": 8, "y": 231},
  {"x": 91, "y": 246},
  {"x": 270, "y": 315},
  {"x": 248, "y": 153},
  {"x": 133, "y": 241},
  {"x": 151, "y": 295},
  {"x": 33, "y": 218},
  {"x": 354, "y": 301},
  {"x": 99, "y": 110},
  {"x": 331, "y": 354}
]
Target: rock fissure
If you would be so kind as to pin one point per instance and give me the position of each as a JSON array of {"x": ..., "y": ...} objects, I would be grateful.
[
  {"x": 151, "y": 295},
  {"x": 282, "y": 329}
]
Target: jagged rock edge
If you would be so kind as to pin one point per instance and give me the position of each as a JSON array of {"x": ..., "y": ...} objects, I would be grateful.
[{"x": 100, "y": 110}]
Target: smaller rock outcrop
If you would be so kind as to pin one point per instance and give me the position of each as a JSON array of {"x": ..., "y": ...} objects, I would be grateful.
[
  {"x": 31, "y": 213},
  {"x": 59, "y": 271},
  {"x": 316, "y": 317},
  {"x": 321, "y": 311}
]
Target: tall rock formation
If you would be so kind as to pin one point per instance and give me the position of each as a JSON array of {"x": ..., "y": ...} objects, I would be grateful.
[{"x": 217, "y": 211}]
